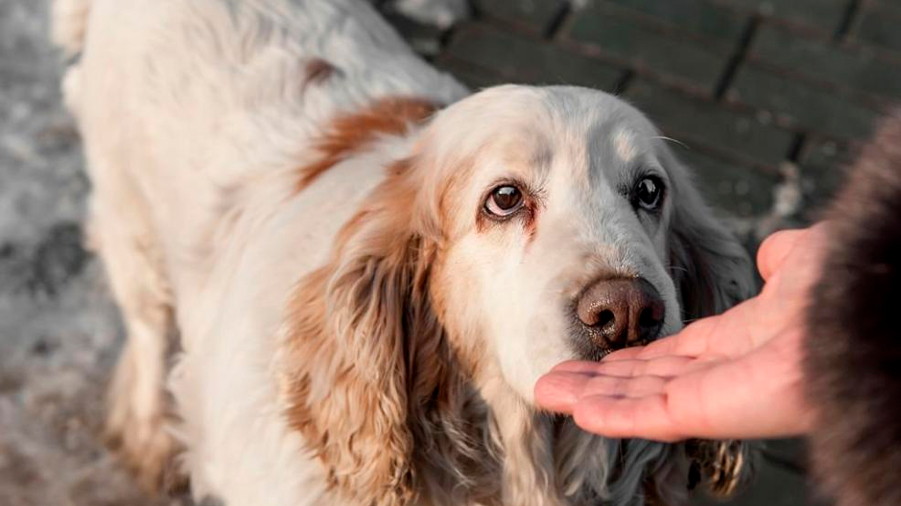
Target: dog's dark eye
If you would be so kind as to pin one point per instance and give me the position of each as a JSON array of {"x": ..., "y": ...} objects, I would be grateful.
[
  {"x": 504, "y": 201},
  {"x": 649, "y": 193}
]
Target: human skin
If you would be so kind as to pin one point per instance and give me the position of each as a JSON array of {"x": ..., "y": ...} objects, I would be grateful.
[{"x": 734, "y": 375}]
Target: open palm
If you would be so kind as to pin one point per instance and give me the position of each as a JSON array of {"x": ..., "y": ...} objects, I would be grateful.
[{"x": 734, "y": 375}]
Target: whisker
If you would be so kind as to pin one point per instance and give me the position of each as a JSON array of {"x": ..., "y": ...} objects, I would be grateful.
[{"x": 674, "y": 141}]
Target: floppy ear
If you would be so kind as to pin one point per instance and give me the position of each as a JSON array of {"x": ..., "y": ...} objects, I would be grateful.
[
  {"x": 712, "y": 272},
  {"x": 711, "y": 269},
  {"x": 357, "y": 330}
]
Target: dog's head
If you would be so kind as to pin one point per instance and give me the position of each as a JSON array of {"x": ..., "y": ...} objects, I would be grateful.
[{"x": 527, "y": 226}]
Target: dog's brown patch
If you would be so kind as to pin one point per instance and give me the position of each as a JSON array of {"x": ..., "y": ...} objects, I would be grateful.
[{"x": 351, "y": 132}]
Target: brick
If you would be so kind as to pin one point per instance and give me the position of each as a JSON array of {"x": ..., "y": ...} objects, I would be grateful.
[
  {"x": 697, "y": 17},
  {"x": 823, "y": 15},
  {"x": 820, "y": 60},
  {"x": 605, "y": 29},
  {"x": 878, "y": 25},
  {"x": 800, "y": 105},
  {"x": 474, "y": 77},
  {"x": 731, "y": 188},
  {"x": 424, "y": 39},
  {"x": 703, "y": 123},
  {"x": 526, "y": 60},
  {"x": 535, "y": 15},
  {"x": 774, "y": 486}
]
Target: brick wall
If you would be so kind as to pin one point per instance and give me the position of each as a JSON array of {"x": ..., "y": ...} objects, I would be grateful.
[{"x": 764, "y": 94}]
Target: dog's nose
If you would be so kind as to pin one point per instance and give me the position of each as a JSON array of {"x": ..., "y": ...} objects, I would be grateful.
[{"x": 621, "y": 312}]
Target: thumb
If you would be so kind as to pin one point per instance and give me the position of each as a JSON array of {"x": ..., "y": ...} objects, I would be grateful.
[{"x": 776, "y": 248}]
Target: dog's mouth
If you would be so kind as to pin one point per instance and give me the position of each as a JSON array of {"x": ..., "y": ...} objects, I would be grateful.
[
  {"x": 594, "y": 355},
  {"x": 586, "y": 347}
]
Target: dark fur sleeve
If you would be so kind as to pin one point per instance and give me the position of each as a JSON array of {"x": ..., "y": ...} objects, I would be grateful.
[{"x": 853, "y": 349}]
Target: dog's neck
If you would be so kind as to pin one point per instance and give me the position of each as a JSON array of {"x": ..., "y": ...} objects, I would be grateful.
[{"x": 491, "y": 447}]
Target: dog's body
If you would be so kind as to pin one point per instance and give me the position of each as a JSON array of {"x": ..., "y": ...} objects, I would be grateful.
[
  {"x": 179, "y": 200},
  {"x": 260, "y": 186}
]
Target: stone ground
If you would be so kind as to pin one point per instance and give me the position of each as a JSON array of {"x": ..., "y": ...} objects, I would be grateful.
[{"x": 769, "y": 99}]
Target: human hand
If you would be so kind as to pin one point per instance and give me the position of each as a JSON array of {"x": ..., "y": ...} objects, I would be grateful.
[{"x": 734, "y": 375}]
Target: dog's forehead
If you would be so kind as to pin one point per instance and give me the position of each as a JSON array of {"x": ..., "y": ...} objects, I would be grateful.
[
  {"x": 533, "y": 120},
  {"x": 597, "y": 139},
  {"x": 566, "y": 134},
  {"x": 603, "y": 121}
]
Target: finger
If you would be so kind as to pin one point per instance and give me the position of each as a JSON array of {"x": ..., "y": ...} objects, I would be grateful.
[
  {"x": 617, "y": 417},
  {"x": 631, "y": 353},
  {"x": 776, "y": 248},
  {"x": 612, "y": 386},
  {"x": 559, "y": 391},
  {"x": 692, "y": 341},
  {"x": 575, "y": 366},
  {"x": 669, "y": 365},
  {"x": 656, "y": 366}
]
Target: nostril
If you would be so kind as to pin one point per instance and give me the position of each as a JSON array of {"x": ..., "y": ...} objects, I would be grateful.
[
  {"x": 605, "y": 318},
  {"x": 650, "y": 320},
  {"x": 647, "y": 319}
]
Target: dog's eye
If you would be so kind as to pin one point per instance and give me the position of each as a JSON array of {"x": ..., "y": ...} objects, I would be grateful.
[
  {"x": 648, "y": 193},
  {"x": 504, "y": 201}
]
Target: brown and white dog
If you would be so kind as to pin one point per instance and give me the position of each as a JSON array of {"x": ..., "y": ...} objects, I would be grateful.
[{"x": 367, "y": 267}]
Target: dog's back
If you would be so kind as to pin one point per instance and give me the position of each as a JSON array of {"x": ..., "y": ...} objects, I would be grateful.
[
  {"x": 186, "y": 107},
  {"x": 187, "y": 98}
]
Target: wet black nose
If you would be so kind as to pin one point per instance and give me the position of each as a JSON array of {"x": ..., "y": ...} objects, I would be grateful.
[{"x": 621, "y": 312}]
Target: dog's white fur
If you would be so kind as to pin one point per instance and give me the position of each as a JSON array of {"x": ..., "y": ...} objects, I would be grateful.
[{"x": 196, "y": 116}]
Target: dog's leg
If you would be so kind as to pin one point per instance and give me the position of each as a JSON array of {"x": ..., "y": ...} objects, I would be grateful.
[{"x": 138, "y": 404}]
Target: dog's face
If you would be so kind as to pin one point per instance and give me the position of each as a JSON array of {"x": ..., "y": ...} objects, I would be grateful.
[
  {"x": 557, "y": 207},
  {"x": 527, "y": 226}
]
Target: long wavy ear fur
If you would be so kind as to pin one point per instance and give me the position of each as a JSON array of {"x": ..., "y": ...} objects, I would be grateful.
[
  {"x": 712, "y": 272},
  {"x": 353, "y": 360}
]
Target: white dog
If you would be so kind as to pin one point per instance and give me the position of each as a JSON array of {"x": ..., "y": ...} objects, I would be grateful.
[{"x": 366, "y": 268}]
